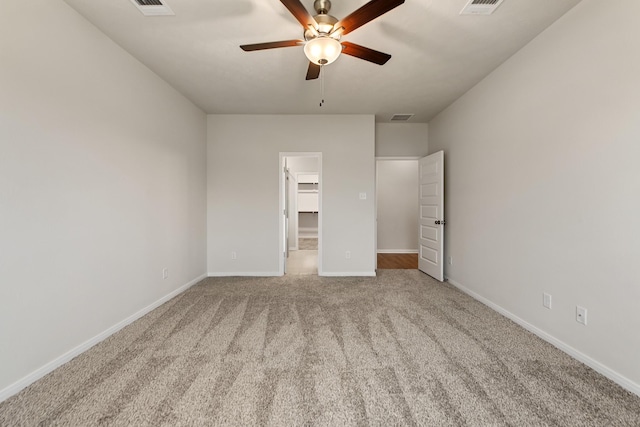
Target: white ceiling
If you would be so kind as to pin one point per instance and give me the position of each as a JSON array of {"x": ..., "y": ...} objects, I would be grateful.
[{"x": 437, "y": 54}]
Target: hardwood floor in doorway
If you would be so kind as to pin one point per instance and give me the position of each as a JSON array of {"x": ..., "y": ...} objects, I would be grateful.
[{"x": 399, "y": 261}]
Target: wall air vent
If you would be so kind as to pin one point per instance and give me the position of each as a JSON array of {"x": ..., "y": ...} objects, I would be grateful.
[
  {"x": 153, "y": 7},
  {"x": 480, "y": 7},
  {"x": 401, "y": 117}
]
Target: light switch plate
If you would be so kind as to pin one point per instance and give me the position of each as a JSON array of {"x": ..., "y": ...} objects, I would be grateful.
[{"x": 546, "y": 300}]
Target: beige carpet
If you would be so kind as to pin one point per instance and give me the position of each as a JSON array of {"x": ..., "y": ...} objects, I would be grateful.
[
  {"x": 399, "y": 349},
  {"x": 307, "y": 244}
]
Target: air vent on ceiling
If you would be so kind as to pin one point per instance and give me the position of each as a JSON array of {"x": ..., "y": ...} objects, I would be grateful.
[
  {"x": 480, "y": 7},
  {"x": 153, "y": 7},
  {"x": 401, "y": 117}
]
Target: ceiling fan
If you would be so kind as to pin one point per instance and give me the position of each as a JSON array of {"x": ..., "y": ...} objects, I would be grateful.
[{"x": 322, "y": 33}]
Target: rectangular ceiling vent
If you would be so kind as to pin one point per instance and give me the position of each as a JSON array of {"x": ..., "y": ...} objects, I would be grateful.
[
  {"x": 401, "y": 117},
  {"x": 480, "y": 7},
  {"x": 153, "y": 7}
]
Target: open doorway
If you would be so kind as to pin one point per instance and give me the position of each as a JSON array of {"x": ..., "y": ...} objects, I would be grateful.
[
  {"x": 397, "y": 212},
  {"x": 301, "y": 219}
]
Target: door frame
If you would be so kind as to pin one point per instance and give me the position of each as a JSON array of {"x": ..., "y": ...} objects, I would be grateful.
[
  {"x": 382, "y": 159},
  {"x": 281, "y": 198},
  {"x": 293, "y": 204}
]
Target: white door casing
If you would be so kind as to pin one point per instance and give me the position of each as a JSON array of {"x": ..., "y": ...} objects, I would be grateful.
[
  {"x": 284, "y": 221},
  {"x": 431, "y": 215},
  {"x": 287, "y": 212},
  {"x": 293, "y": 213}
]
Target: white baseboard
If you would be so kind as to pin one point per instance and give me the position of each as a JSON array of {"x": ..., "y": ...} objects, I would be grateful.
[
  {"x": 397, "y": 251},
  {"x": 244, "y": 274},
  {"x": 272, "y": 273},
  {"x": 576, "y": 354},
  {"x": 348, "y": 274},
  {"x": 61, "y": 360}
]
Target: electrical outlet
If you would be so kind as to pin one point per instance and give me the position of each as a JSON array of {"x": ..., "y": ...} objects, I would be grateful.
[
  {"x": 234, "y": 255},
  {"x": 165, "y": 273},
  {"x": 363, "y": 196},
  {"x": 450, "y": 260},
  {"x": 546, "y": 300},
  {"x": 347, "y": 254},
  {"x": 581, "y": 315}
]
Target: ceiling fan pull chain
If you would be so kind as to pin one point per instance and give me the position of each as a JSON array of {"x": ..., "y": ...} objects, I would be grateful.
[{"x": 321, "y": 85}]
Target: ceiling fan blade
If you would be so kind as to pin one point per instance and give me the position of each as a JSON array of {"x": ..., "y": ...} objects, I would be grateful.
[
  {"x": 313, "y": 72},
  {"x": 300, "y": 13},
  {"x": 271, "y": 45},
  {"x": 366, "y": 13},
  {"x": 365, "y": 53}
]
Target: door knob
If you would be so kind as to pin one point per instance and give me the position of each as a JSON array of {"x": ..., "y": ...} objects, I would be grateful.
[{"x": 440, "y": 222}]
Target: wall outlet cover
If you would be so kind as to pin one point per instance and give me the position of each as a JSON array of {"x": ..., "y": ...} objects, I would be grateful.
[{"x": 581, "y": 315}]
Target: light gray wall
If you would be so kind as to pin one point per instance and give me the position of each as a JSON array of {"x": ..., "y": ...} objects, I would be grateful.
[
  {"x": 102, "y": 185},
  {"x": 543, "y": 185},
  {"x": 397, "y": 201},
  {"x": 402, "y": 139},
  {"x": 243, "y": 206}
]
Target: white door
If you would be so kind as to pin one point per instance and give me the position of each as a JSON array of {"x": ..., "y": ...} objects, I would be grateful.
[{"x": 431, "y": 215}]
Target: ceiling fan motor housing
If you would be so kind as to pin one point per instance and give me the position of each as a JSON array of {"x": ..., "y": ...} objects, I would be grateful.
[
  {"x": 322, "y": 7},
  {"x": 325, "y": 25}
]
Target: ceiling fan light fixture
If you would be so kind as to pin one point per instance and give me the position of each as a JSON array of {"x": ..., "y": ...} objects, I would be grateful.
[
  {"x": 322, "y": 33},
  {"x": 322, "y": 50}
]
